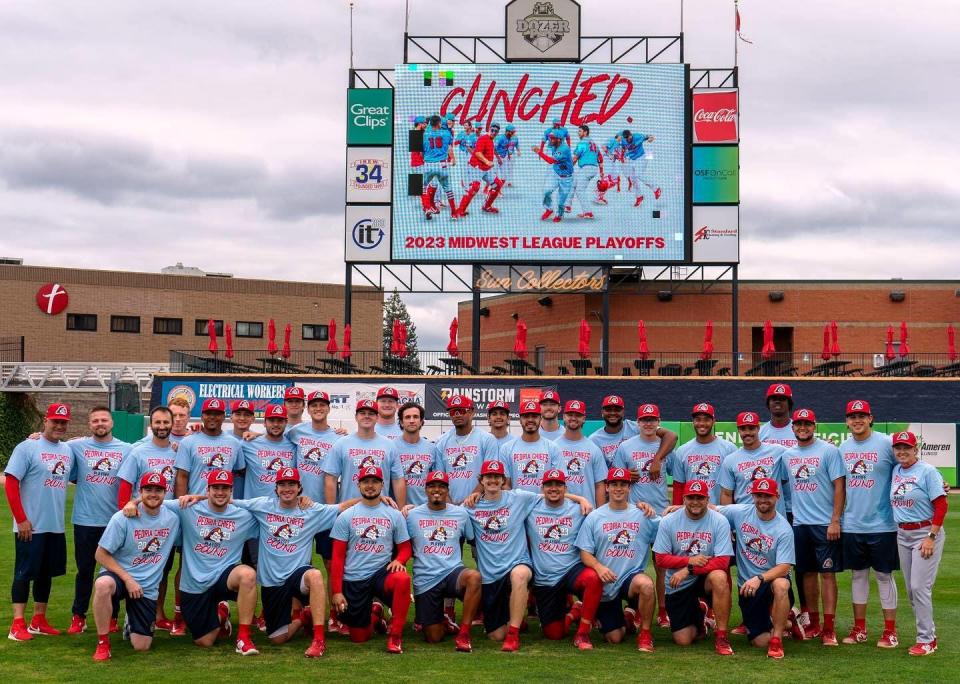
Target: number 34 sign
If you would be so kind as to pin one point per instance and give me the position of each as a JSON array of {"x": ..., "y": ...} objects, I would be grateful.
[{"x": 368, "y": 174}]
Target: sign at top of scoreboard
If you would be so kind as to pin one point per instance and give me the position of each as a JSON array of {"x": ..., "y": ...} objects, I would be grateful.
[{"x": 538, "y": 31}]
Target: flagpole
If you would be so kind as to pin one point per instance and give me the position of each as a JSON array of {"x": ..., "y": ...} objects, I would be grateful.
[
  {"x": 351, "y": 35},
  {"x": 736, "y": 15}
]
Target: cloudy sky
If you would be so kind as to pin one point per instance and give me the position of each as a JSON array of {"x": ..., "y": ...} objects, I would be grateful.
[{"x": 135, "y": 135}]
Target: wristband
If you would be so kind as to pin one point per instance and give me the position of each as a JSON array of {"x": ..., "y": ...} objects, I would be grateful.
[{"x": 931, "y": 535}]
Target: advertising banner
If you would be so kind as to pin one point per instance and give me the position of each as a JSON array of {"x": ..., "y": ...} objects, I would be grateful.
[
  {"x": 716, "y": 116},
  {"x": 345, "y": 395},
  {"x": 260, "y": 393},
  {"x": 716, "y": 234},
  {"x": 368, "y": 174},
  {"x": 367, "y": 233},
  {"x": 369, "y": 116},
  {"x": 542, "y": 31},
  {"x": 716, "y": 174}
]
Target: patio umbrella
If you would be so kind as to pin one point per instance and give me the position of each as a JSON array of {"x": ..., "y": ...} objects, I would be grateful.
[
  {"x": 583, "y": 347},
  {"x": 452, "y": 348},
  {"x": 951, "y": 343},
  {"x": 347, "y": 338},
  {"x": 643, "y": 350},
  {"x": 395, "y": 337},
  {"x": 520, "y": 343},
  {"x": 402, "y": 334},
  {"x": 285, "y": 352},
  {"x": 904, "y": 348},
  {"x": 332, "y": 336},
  {"x": 271, "y": 337},
  {"x": 768, "y": 349},
  {"x": 229, "y": 338},
  {"x": 212, "y": 332},
  {"x": 835, "y": 342},
  {"x": 889, "y": 353},
  {"x": 825, "y": 354},
  {"x": 707, "y": 352}
]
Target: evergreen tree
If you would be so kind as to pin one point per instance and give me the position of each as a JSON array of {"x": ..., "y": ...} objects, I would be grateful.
[{"x": 395, "y": 309}]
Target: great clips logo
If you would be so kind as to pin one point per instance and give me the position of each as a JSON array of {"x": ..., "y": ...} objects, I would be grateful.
[{"x": 716, "y": 117}]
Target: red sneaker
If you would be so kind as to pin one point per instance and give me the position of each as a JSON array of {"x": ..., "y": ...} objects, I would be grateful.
[
  {"x": 511, "y": 643},
  {"x": 179, "y": 627},
  {"x": 657, "y": 193},
  {"x": 343, "y": 629},
  {"x": 452, "y": 627},
  {"x": 317, "y": 648},
  {"x": 417, "y": 627},
  {"x": 630, "y": 617},
  {"x": 333, "y": 627},
  {"x": 589, "y": 214},
  {"x": 575, "y": 612},
  {"x": 557, "y": 218},
  {"x": 306, "y": 618},
  {"x": 887, "y": 640},
  {"x": 18, "y": 631},
  {"x": 722, "y": 646},
  {"x": 39, "y": 625},
  {"x": 246, "y": 647},
  {"x": 645, "y": 642},
  {"x": 223, "y": 612},
  {"x": 639, "y": 200},
  {"x": 78, "y": 625},
  {"x": 102, "y": 653},
  {"x": 582, "y": 641},
  {"x": 775, "y": 649},
  {"x": 923, "y": 649},
  {"x": 828, "y": 638},
  {"x": 739, "y": 630},
  {"x": 812, "y": 632},
  {"x": 489, "y": 210},
  {"x": 796, "y": 628},
  {"x": 163, "y": 625},
  {"x": 261, "y": 623},
  {"x": 114, "y": 626},
  {"x": 663, "y": 621},
  {"x": 379, "y": 623},
  {"x": 394, "y": 644},
  {"x": 546, "y": 214},
  {"x": 462, "y": 643},
  {"x": 857, "y": 635}
]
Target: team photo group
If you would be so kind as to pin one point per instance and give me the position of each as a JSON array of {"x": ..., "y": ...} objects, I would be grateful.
[{"x": 582, "y": 535}]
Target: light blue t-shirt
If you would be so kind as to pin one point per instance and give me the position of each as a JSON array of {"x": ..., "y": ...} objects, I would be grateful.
[
  {"x": 583, "y": 464},
  {"x": 263, "y": 458},
  {"x": 761, "y": 544},
  {"x": 371, "y": 532},
  {"x": 199, "y": 454},
  {"x": 351, "y": 453},
  {"x": 608, "y": 442},
  {"x": 553, "y": 435},
  {"x": 696, "y": 461},
  {"x": 586, "y": 153},
  {"x": 435, "y": 537},
  {"x": 286, "y": 535},
  {"x": 42, "y": 467},
  {"x": 552, "y": 534},
  {"x": 392, "y": 431},
  {"x": 416, "y": 462},
  {"x": 142, "y": 545},
  {"x": 313, "y": 449},
  {"x": 869, "y": 465},
  {"x": 96, "y": 471},
  {"x": 634, "y": 147},
  {"x": 913, "y": 490},
  {"x": 147, "y": 457},
  {"x": 743, "y": 466},
  {"x": 500, "y": 533},
  {"x": 620, "y": 540},
  {"x": 782, "y": 436},
  {"x": 812, "y": 470},
  {"x": 506, "y": 439},
  {"x": 461, "y": 457},
  {"x": 212, "y": 542},
  {"x": 526, "y": 462},
  {"x": 680, "y": 536},
  {"x": 436, "y": 143},
  {"x": 637, "y": 453}
]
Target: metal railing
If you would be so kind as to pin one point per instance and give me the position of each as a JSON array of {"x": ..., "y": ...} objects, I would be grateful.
[
  {"x": 11, "y": 348},
  {"x": 549, "y": 362}
]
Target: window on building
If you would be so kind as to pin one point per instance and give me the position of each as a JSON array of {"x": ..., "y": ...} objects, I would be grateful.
[
  {"x": 249, "y": 329},
  {"x": 167, "y": 326},
  {"x": 86, "y": 322},
  {"x": 315, "y": 331},
  {"x": 200, "y": 327},
  {"x": 125, "y": 324}
]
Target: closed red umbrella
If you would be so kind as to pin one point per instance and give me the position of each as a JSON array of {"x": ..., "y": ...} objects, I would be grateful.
[
  {"x": 212, "y": 332},
  {"x": 583, "y": 347},
  {"x": 452, "y": 348},
  {"x": 229, "y": 338},
  {"x": 835, "y": 341},
  {"x": 643, "y": 350},
  {"x": 395, "y": 337},
  {"x": 347, "y": 339},
  {"x": 904, "y": 348},
  {"x": 285, "y": 352},
  {"x": 825, "y": 354},
  {"x": 402, "y": 350},
  {"x": 707, "y": 352},
  {"x": 332, "y": 336},
  {"x": 768, "y": 349},
  {"x": 271, "y": 337},
  {"x": 951, "y": 343},
  {"x": 890, "y": 354},
  {"x": 520, "y": 343}
]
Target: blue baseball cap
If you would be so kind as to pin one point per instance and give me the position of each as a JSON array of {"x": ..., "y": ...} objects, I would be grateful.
[
  {"x": 511, "y": 128},
  {"x": 420, "y": 120}
]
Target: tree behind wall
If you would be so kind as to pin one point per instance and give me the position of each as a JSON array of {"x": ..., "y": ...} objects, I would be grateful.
[
  {"x": 395, "y": 309},
  {"x": 18, "y": 418}
]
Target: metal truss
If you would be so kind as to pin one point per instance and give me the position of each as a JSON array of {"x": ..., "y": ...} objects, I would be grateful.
[
  {"x": 414, "y": 278},
  {"x": 76, "y": 376},
  {"x": 492, "y": 49},
  {"x": 688, "y": 279}
]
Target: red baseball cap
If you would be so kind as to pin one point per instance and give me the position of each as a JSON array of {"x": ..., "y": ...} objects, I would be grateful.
[
  {"x": 370, "y": 471},
  {"x": 366, "y": 404},
  {"x": 220, "y": 477},
  {"x": 905, "y": 438},
  {"x": 437, "y": 476},
  {"x": 213, "y": 405},
  {"x": 696, "y": 488},
  {"x": 554, "y": 475},
  {"x": 575, "y": 406},
  {"x": 803, "y": 414},
  {"x": 153, "y": 480},
  {"x": 294, "y": 393},
  {"x": 764, "y": 485},
  {"x": 550, "y": 395},
  {"x": 612, "y": 400},
  {"x": 530, "y": 406},
  {"x": 492, "y": 468},
  {"x": 648, "y": 411},
  {"x": 288, "y": 475},
  {"x": 459, "y": 401},
  {"x": 705, "y": 409},
  {"x": 276, "y": 411},
  {"x": 618, "y": 475},
  {"x": 747, "y": 418},
  {"x": 502, "y": 405},
  {"x": 859, "y": 406},
  {"x": 318, "y": 396},
  {"x": 779, "y": 389},
  {"x": 58, "y": 412},
  {"x": 241, "y": 405},
  {"x": 388, "y": 392}
]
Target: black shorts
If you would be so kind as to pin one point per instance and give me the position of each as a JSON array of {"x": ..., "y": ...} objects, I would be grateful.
[
  {"x": 141, "y": 612},
  {"x": 278, "y": 601},
  {"x": 168, "y": 566},
  {"x": 610, "y": 613},
  {"x": 428, "y": 605},
  {"x": 495, "y": 600},
  {"x": 324, "y": 545},
  {"x": 200, "y": 610},
  {"x": 360, "y": 595},
  {"x": 756, "y": 610},
  {"x": 683, "y": 607},
  {"x": 552, "y": 600},
  {"x": 45, "y": 555},
  {"x": 877, "y": 550},
  {"x": 814, "y": 552}
]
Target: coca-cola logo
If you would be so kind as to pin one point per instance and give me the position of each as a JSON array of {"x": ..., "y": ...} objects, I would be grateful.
[{"x": 715, "y": 117}]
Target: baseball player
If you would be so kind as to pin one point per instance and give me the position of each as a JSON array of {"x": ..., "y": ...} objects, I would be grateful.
[
  {"x": 481, "y": 170},
  {"x": 614, "y": 153},
  {"x": 530, "y": 455},
  {"x": 437, "y": 530},
  {"x": 498, "y": 418},
  {"x": 294, "y": 400},
  {"x": 437, "y": 158},
  {"x": 36, "y": 490},
  {"x": 869, "y": 531},
  {"x": 550, "y": 426},
  {"x": 701, "y": 457},
  {"x": 207, "y": 450},
  {"x": 180, "y": 410},
  {"x": 765, "y": 556},
  {"x": 388, "y": 399},
  {"x": 560, "y": 158},
  {"x": 462, "y": 449},
  {"x": 464, "y": 143},
  {"x": 365, "y": 565},
  {"x": 416, "y": 158},
  {"x": 132, "y": 554},
  {"x": 615, "y": 429},
  {"x": 589, "y": 166},
  {"x": 556, "y": 130},
  {"x": 614, "y": 542},
  {"x": 753, "y": 461},
  {"x": 817, "y": 478},
  {"x": 513, "y": 150},
  {"x": 265, "y": 456},
  {"x": 581, "y": 461},
  {"x": 242, "y": 418},
  {"x": 635, "y": 164},
  {"x": 415, "y": 453},
  {"x": 693, "y": 545},
  {"x": 778, "y": 430}
]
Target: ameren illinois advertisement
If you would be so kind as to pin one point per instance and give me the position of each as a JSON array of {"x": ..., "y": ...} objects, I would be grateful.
[{"x": 548, "y": 163}]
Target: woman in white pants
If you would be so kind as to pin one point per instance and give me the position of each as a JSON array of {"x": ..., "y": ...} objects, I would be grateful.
[{"x": 919, "y": 508}]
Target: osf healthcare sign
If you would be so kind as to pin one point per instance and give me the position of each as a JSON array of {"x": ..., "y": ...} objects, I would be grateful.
[
  {"x": 370, "y": 116},
  {"x": 716, "y": 116}
]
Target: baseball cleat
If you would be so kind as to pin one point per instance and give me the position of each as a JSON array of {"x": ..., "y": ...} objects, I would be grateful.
[
  {"x": 722, "y": 646},
  {"x": 775, "y": 649},
  {"x": 657, "y": 193},
  {"x": 582, "y": 641},
  {"x": 491, "y": 210},
  {"x": 739, "y": 630},
  {"x": 394, "y": 644},
  {"x": 316, "y": 649},
  {"x": 462, "y": 643},
  {"x": 547, "y": 213},
  {"x": 856, "y": 636},
  {"x": 163, "y": 625},
  {"x": 511, "y": 643},
  {"x": 78, "y": 625},
  {"x": 39, "y": 625},
  {"x": 828, "y": 638},
  {"x": 223, "y": 612},
  {"x": 923, "y": 649},
  {"x": 102, "y": 653},
  {"x": 630, "y": 617},
  {"x": 645, "y": 641},
  {"x": 246, "y": 647},
  {"x": 663, "y": 621},
  {"x": 114, "y": 626},
  {"x": 888, "y": 639},
  {"x": 558, "y": 218},
  {"x": 18, "y": 631},
  {"x": 639, "y": 200}
]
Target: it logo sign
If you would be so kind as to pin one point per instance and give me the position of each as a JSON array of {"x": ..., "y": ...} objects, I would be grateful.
[{"x": 542, "y": 28}]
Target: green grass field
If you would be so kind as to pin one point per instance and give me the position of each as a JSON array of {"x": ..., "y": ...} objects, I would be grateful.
[{"x": 59, "y": 659}]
